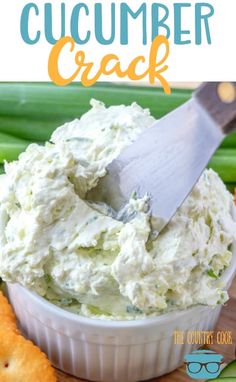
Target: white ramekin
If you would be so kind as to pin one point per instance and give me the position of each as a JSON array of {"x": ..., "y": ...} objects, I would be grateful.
[{"x": 115, "y": 351}]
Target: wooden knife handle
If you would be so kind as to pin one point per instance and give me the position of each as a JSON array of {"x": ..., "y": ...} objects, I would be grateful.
[{"x": 219, "y": 100}]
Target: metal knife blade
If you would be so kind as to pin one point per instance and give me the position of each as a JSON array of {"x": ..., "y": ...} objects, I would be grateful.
[{"x": 166, "y": 160}]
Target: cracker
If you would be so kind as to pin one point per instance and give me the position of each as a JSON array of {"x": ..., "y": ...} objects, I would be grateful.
[
  {"x": 22, "y": 361},
  {"x": 7, "y": 316},
  {"x": 5, "y": 307}
]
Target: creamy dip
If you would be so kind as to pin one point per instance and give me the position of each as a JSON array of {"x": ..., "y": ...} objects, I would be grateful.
[{"x": 80, "y": 256}]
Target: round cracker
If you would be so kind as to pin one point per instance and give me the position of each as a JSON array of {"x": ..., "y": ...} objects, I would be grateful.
[
  {"x": 7, "y": 316},
  {"x": 8, "y": 325},
  {"x": 22, "y": 361},
  {"x": 5, "y": 308}
]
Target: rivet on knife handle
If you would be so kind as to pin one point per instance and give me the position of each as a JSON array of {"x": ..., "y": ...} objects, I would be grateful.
[
  {"x": 219, "y": 100},
  {"x": 227, "y": 92}
]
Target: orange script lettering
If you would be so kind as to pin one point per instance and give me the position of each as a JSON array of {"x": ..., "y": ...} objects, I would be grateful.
[{"x": 110, "y": 64}]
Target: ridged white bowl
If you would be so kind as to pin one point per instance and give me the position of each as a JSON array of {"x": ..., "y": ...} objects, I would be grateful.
[{"x": 115, "y": 351}]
